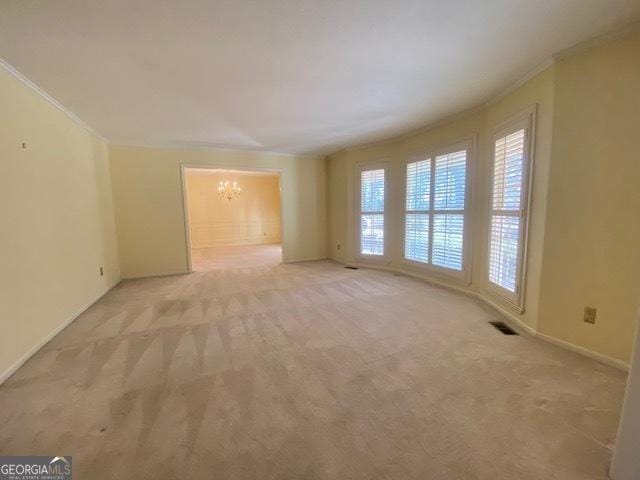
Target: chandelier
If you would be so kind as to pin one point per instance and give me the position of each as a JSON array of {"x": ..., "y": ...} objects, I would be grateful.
[{"x": 228, "y": 190}]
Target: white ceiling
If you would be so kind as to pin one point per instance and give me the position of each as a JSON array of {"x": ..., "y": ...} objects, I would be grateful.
[{"x": 297, "y": 76}]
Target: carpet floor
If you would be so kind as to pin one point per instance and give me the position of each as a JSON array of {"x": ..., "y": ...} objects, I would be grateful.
[
  {"x": 307, "y": 371},
  {"x": 226, "y": 257}
]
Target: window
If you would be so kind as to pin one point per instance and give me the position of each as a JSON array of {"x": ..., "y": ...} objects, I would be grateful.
[
  {"x": 509, "y": 206},
  {"x": 435, "y": 210},
  {"x": 372, "y": 207},
  {"x": 417, "y": 217}
]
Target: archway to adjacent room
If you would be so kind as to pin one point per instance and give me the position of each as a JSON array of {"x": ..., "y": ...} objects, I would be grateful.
[{"x": 233, "y": 217}]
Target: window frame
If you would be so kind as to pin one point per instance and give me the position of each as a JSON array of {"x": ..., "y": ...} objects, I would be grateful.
[
  {"x": 364, "y": 166},
  {"x": 524, "y": 120},
  {"x": 464, "y": 275}
]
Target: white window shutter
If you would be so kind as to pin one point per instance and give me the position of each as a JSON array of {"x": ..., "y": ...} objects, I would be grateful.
[
  {"x": 417, "y": 217},
  {"x": 509, "y": 209},
  {"x": 372, "y": 206},
  {"x": 435, "y": 210}
]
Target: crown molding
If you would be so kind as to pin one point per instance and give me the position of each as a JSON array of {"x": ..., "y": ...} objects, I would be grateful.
[
  {"x": 410, "y": 133},
  {"x": 627, "y": 30},
  {"x": 11, "y": 70},
  {"x": 513, "y": 86}
]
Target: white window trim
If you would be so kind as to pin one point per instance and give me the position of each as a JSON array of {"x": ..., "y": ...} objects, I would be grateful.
[
  {"x": 464, "y": 275},
  {"x": 527, "y": 120},
  {"x": 360, "y": 167}
]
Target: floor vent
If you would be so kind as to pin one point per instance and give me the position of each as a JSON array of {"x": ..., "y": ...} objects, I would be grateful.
[
  {"x": 351, "y": 268},
  {"x": 504, "y": 328}
]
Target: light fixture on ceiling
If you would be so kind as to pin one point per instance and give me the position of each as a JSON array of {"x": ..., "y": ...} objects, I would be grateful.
[{"x": 228, "y": 190}]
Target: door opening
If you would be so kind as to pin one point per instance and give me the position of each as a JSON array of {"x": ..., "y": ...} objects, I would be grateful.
[{"x": 233, "y": 218}]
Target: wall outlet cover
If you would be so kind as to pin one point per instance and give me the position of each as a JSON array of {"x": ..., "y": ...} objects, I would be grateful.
[{"x": 590, "y": 315}]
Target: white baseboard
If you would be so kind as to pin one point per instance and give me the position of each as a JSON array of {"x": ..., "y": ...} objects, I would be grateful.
[
  {"x": 202, "y": 246},
  {"x": 154, "y": 275},
  {"x": 518, "y": 323},
  {"x": 4, "y": 376},
  {"x": 612, "y": 362},
  {"x": 308, "y": 259},
  {"x": 408, "y": 273}
]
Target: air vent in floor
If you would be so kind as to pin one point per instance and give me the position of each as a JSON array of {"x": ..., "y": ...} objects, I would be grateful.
[
  {"x": 351, "y": 268},
  {"x": 504, "y": 328}
]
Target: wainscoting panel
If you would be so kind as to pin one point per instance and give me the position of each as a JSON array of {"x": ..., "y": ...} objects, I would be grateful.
[
  {"x": 234, "y": 233},
  {"x": 249, "y": 219}
]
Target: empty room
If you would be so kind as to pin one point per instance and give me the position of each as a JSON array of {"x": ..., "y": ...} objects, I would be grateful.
[
  {"x": 233, "y": 218},
  {"x": 320, "y": 240}
]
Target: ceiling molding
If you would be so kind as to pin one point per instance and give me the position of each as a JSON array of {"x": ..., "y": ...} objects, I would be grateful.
[
  {"x": 11, "y": 70},
  {"x": 411, "y": 133},
  {"x": 455, "y": 116},
  {"x": 628, "y": 30},
  {"x": 521, "y": 81}
]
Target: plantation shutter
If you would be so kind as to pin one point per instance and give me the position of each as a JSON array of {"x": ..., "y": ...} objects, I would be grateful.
[
  {"x": 417, "y": 218},
  {"x": 449, "y": 203},
  {"x": 507, "y": 210},
  {"x": 435, "y": 210},
  {"x": 372, "y": 204}
]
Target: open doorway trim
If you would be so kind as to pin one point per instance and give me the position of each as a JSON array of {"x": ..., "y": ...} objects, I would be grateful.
[{"x": 185, "y": 205}]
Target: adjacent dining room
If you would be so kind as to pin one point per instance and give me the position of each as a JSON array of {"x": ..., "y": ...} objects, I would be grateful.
[{"x": 234, "y": 218}]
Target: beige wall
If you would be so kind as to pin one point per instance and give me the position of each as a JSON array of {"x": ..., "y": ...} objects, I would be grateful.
[
  {"x": 147, "y": 192},
  {"x": 342, "y": 179},
  {"x": 249, "y": 219},
  {"x": 592, "y": 245},
  {"x": 57, "y": 221},
  {"x": 477, "y": 125},
  {"x": 539, "y": 90},
  {"x": 584, "y": 234}
]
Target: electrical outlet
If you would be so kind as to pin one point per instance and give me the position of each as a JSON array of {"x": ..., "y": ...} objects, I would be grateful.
[
  {"x": 101, "y": 272},
  {"x": 338, "y": 246},
  {"x": 590, "y": 315}
]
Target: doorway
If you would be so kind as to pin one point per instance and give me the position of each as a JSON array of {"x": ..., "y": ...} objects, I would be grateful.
[{"x": 233, "y": 218}]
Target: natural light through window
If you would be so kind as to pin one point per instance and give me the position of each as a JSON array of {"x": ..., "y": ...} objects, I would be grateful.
[
  {"x": 417, "y": 219},
  {"x": 435, "y": 210},
  {"x": 508, "y": 202},
  {"x": 372, "y": 205}
]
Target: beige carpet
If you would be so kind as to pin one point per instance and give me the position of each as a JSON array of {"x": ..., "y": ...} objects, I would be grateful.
[
  {"x": 307, "y": 371},
  {"x": 234, "y": 256}
]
